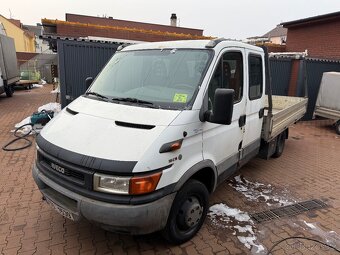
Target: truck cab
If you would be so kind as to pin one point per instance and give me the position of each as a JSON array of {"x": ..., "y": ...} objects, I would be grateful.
[{"x": 158, "y": 129}]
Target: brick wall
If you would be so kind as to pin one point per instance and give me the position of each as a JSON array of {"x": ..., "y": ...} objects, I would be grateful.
[
  {"x": 322, "y": 40},
  {"x": 131, "y": 24}
]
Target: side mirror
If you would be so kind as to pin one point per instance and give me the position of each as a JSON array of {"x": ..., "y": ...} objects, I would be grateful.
[
  {"x": 88, "y": 82},
  {"x": 222, "y": 111}
]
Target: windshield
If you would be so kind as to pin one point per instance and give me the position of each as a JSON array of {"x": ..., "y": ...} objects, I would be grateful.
[{"x": 163, "y": 78}]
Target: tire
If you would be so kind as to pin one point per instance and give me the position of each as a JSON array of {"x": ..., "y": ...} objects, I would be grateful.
[
  {"x": 188, "y": 212},
  {"x": 9, "y": 91},
  {"x": 280, "y": 145},
  {"x": 337, "y": 127}
]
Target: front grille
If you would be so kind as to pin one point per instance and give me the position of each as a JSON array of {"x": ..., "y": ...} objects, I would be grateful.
[
  {"x": 61, "y": 171},
  {"x": 66, "y": 171}
]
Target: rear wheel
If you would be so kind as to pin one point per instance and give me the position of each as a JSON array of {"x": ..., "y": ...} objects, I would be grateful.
[
  {"x": 9, "y": 91},
  {"x": 337, "y": 127},
  {"x": 280, "y": 145},
  {"x": 187, "y": 213}
]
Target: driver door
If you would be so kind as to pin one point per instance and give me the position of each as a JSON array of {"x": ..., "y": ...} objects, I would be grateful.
[{"x": 222, "y": 143}]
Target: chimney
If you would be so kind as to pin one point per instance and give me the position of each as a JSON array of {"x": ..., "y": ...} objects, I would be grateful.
[{"x": 173, "y": 20}]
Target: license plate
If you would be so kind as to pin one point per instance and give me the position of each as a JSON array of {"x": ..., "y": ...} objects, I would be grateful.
[{"x": 60, "y": 210}]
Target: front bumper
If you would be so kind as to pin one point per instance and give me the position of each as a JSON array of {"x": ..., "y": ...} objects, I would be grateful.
[{"x": 133, "y": 219}]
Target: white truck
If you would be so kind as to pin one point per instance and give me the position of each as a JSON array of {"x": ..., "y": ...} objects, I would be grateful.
[
  {"x": 158, "y": 129},
  {"x": 328, "y": 103}
]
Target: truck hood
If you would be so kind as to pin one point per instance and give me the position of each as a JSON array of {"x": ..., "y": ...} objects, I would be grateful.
[{"x": 108, "y": 131}]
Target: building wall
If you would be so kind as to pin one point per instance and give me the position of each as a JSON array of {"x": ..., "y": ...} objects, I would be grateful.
[
  {"x": 131, "y": 24},
  {"x": 320, "y": 39},
  {"x": 22, "y": 41}
]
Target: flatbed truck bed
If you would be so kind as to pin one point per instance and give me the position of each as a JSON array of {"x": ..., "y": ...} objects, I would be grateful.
[{"x": 285, "y": 112}]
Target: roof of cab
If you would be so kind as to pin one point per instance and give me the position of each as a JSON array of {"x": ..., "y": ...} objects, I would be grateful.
[{"x": 188, "y": 44}]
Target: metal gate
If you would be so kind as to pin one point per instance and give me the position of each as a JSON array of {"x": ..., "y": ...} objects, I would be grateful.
[{"x": 77, "y": 61}]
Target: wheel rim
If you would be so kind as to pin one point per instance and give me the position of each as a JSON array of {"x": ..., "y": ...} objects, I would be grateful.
[{"x": 189, "y": 214}]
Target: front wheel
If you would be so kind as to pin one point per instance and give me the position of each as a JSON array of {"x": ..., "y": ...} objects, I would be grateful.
[
  {"x": 337, "y": 127},
  {"x": 187, "y": 213}
]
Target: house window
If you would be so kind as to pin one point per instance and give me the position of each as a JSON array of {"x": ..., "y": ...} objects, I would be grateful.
[{"x": 255, "y": 77}]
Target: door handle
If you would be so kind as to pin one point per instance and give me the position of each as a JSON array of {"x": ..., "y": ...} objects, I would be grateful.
[{"x": 242, "y": 120}]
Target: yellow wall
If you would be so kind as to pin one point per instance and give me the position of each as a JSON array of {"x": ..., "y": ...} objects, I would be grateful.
[{"x": 23, "y": 42}]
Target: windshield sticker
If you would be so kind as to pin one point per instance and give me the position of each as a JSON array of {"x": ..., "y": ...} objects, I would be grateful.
[{"x": 180, "y": 98}]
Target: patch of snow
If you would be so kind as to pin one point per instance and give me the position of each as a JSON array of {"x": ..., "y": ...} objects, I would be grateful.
[
  {"x": 244, "y": 229},
  {"x": 56, "y": 107},
  {"x": 55, "y": 91},
  {"x": 37, "y": 86},
  {"x": 26, "y": 129},
  {"x": 310, "y": 225},
  {"x": 224, "y": 210},
  {"x": 224, "y": 216},
  {"x": 256, "y": 191},
  {"x": 330, "y": 237}
]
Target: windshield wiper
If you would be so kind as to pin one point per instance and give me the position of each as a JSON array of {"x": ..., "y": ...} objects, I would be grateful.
[
  {"x": 97, "y": 95},
  {"x": 134, "y": 100}
]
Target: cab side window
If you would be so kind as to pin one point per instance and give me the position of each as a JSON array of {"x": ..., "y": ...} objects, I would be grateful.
[
  {"x": 255, "y": 77},
  {"x": 228, "y": 74}
]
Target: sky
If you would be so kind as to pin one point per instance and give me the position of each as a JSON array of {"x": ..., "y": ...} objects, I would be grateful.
[{"x": 236, "y": 19}]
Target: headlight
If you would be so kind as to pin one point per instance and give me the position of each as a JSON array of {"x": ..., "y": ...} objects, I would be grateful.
[
  {"x": 126, "y": 185},
  {"x": 111, "y": 184}
]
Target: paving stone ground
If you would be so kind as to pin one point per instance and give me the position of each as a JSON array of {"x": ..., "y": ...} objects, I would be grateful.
[{"x": 308, "y": 169}]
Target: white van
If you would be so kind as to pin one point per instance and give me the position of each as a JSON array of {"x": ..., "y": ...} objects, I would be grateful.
[{"x": 159, "y": 128}]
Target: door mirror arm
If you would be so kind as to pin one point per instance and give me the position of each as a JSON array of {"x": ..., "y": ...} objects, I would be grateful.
[{"x": 88, "y": 82}]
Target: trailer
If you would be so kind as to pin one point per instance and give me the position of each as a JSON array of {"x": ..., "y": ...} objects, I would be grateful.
[
  {"x": 27, "y": 84},
  {"x": 8, "y": 65},
  {"x": 328, "y": 103}
]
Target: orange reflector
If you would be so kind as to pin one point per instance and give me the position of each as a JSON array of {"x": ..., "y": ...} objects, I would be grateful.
[
  {"x": 144, "y": 184},
  {"x": 175, "y": 146},
  {"x": 172, "y": 146}
]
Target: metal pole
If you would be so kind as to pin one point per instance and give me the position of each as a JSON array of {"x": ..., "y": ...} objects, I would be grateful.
[{"x": 268, "y": 81}]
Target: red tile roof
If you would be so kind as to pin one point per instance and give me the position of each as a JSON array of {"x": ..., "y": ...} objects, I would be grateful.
[{"x": 131, "y": 24}]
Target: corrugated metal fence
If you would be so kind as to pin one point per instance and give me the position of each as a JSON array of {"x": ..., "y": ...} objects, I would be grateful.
[
  {"x": 77, "y": 61},
  {"x": 315, "y": 69},
  {"x": 280, "y": 72}
]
